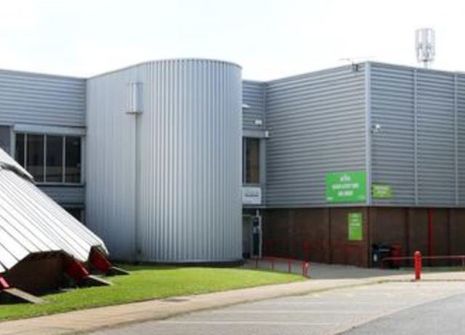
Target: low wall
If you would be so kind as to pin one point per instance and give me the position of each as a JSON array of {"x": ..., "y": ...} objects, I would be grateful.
[{"x": 322, "y": 234}]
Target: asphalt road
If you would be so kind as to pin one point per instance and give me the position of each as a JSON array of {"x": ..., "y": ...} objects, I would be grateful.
[
  {"x": 390, "y": 308},
  {"x": 440, "y": 317}
]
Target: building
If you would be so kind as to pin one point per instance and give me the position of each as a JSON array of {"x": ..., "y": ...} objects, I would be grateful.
[{"x": 333, "y": 161}]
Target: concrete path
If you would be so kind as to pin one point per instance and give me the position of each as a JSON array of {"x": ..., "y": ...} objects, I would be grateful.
[{"x": 327, "y": 277}]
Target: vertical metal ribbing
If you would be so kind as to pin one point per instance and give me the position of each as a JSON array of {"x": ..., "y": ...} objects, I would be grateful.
[
  {"x": 415, "y": 136},
  {"x": 456, "y": 141},
  {"x": 368, "y": 132}
]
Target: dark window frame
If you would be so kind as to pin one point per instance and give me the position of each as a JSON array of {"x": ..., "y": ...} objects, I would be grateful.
[
  {"x": 64, "y": 178},
  {"x": 248, "y": 177}
]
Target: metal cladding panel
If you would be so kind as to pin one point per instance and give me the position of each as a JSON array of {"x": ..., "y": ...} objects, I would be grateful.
[
  {"x": 317, "y": 125},
  {"x": 436, "y": 143},
  {"x": 30, "y": 98},
  {"x": 253, "y": 95},
  {"x": 461, "y": 139},
  {"x": 31, "y": 222},
  {"x": 110, "y": 163},
  {"x": 393, "y": 152},
  {"x": 419, "y": 149},
  {"x": 65, "y": 195},
  {"x": 179, "y": 199}
]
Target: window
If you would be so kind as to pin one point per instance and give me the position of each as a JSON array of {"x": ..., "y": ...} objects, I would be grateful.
[
  {"x": 73, "y": 160},
  {"x": 251, "y": 160},
  {"x": 20, "y": 151},
  {"x": 50, "y": 158},
  {"x": 54, "y": 159},
  {"x": 35, "y": 156}
]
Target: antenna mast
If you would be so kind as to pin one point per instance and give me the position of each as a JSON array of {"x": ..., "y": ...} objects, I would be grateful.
[{"x": 425, "y": 46}]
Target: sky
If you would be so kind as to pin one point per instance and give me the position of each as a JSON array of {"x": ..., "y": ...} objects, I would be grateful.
[{"x": 268, "y": 38}]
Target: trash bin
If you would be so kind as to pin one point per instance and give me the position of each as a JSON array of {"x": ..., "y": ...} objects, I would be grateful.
[
  {"x": 396, "y": 251},
  {"x": 378, "y": 253}
]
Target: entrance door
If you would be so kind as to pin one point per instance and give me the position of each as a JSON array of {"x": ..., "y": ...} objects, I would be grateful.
[
  {"x": 251, "y": 235},
  {"x": 247, "y": 235}
]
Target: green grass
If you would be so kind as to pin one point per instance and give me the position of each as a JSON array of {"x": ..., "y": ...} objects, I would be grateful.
[{"x": 145, "y": 283}]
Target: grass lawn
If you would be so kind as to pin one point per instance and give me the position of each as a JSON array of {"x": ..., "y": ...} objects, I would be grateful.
[{"x": 148, "y": 282}]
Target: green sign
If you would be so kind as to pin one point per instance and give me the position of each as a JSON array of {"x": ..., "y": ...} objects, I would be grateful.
[
  {"x": 355, "y": 226},
  {"x": 381, "y": 191},
  {"x": 346, "y": 187}
]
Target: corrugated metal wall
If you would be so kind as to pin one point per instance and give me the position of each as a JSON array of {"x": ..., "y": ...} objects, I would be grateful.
[
  {"x": 419, "y": 148},
  {"x": 392, "y": 107},
  {"x": 253, "y": 95},
  {"x": 65, "y": 195},
  {"x": 317, "y": 125},
  {"x": 30, "y": 98},
  {"x": 461, "y": 138},
  {"x": 165, "y": 185}
]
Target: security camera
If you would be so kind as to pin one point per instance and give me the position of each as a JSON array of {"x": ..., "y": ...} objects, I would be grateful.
[{"x": 376, "y": 128}]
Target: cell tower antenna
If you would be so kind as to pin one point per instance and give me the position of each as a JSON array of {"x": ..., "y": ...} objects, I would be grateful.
[{"x": 425, "y": 46}]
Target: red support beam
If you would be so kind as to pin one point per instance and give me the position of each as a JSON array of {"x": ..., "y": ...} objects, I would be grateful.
[
  {"x": 3, "y": 284},
  {"x": 100, "y": 261},
  {"x": 76, "y": 270}
]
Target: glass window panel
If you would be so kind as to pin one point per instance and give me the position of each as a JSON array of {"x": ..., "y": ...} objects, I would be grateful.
[
  {"x": 252, "y": 161},
  {"x": 54, "y": 171},
  {"x": 35, "y": 156},
  {"x": 19, "y": 151},
  {"x": 73, "y": 160}
]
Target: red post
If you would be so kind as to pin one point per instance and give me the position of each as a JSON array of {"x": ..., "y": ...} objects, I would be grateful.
[{"x": 418, "y": 265}]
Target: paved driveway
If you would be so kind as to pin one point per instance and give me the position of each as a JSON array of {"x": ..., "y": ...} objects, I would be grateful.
[{"x": 328, "y": 312}]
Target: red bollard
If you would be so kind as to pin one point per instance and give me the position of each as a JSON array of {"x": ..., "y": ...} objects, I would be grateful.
[
  {"x": 418, "y": 265},
  {"x": 305, "y": 267}
]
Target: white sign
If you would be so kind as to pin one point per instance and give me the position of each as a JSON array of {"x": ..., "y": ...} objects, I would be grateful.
[{"x": 251, "y": 195}]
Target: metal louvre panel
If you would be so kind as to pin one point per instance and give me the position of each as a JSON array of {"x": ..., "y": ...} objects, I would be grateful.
[
  {"x": 253, "y": 95},
  {"x": 30, "y": 98},
  {"x": 31, "y": 222},
  {"x": 317, "y": 125},
  {"x": 65, "y": 195},
  {"x": 165, "y": 185},
  {"x": 393, "y": 155}
]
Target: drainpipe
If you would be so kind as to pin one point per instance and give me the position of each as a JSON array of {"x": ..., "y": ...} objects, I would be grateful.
[{"x": 135, "y": 99}]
